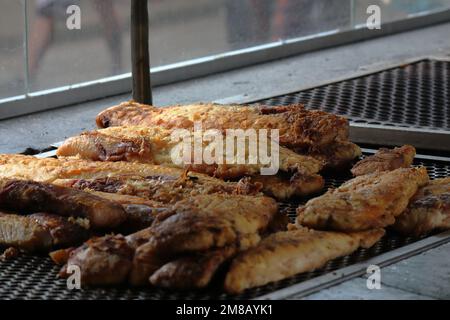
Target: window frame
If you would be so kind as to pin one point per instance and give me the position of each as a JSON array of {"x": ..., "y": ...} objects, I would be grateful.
[{"x": 203, "y": 66}]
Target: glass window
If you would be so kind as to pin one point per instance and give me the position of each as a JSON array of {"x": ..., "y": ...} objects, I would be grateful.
[
  {"x": 393, "y": 10},
  {"x": 12, "y": 62},
  {"x": 59, "y": 55},
  {"x": 180, "y": 30}
]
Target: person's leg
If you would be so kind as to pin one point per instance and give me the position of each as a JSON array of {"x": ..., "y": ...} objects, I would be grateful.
[
  {"x": 110, "y": 22},
  {"x": 40, "y": 37}
]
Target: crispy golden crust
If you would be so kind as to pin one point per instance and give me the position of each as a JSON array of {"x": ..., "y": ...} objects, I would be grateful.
[
  {"x": 283, "y": 187},
  {"x": 298, "y": 127},
  {"x": 39, "y": 231},
  {"x": 337, "y": 155},
  {"x": 163, "y": 189},
  {"x": 428, "y": 210},
  {"x": 61, "y": 256},
  {"x": 153, "y": 182},
  {"x": 49, "y": 169},
  {"x": 31, "y": 196},
  {"x": 155, "y": 145},
  {"x": 365, "y": 202},
  {"x": 385, "y": 160},
  {"x": 102, "y": 261},
  {"x": 193, "y": 271},
  {"x": 284, "y": 254},
  {"x": 202, "y": 223}
]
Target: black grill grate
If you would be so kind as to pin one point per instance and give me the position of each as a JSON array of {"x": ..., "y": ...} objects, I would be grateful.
[
  {"x": 33, "y": 277},
  {"x": 416, "y": 95}
]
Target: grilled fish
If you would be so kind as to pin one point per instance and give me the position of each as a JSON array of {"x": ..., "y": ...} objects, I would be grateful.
[
  {"x": 31, "y": 196},
  {"x": 428, "y": 210},
  {"x": 155, "y": 146},
  {"x": 365, "y": 202},
  {"x": 201, "y": 223},
  {"x": 385, "y": 160},
  {"x": 284, "y": 254},
  {"x": 40, "y": 231},
  {"x": 192, "y": 271},
  {"x": 298, "y": 127}
]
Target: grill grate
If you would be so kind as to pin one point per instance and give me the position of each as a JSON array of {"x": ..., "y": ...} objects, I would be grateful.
[
  {"x": 416, "y": 95},
  {"x": 34, "y": 277}
]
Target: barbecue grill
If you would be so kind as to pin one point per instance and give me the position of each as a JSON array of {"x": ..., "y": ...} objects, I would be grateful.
[
  {"x": 403, "y": 104},
  {"x": 408, "y": 97}
]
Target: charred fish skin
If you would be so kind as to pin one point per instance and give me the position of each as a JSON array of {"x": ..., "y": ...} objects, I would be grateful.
[
  {"x": 385, "y": 160},
  {"x": 365, "y": 202},
  {"x": 40, "y": 231},
  {"x": 284, "y": 254},
  {"x": 298, "y": 127},
  {"x": 428, "y": 210},
  {"x": 31, "y": 196},
  {"x": 155, "y": 145}
]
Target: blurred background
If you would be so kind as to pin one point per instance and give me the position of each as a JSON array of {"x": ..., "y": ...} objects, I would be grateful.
[{"x": 38, "y": 52}]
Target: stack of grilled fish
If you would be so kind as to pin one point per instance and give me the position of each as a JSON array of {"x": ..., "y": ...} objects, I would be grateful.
[{"x": 178, "y": 226}]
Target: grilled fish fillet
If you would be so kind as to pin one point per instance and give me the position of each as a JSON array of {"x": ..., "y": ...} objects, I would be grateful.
[
  {"x": 31, "y": 196},
  {"x": 193, "y": 271},
  {"x": 365, "y": 202},
  {"x": 102, "y": 261},
  {"x": 298, "y": 127},
  {"x": 148, "y": 181},
  {"x": 428, "y": 210},
  {"x": 201, "y": 223},
  {"x": 164, "y": 189},
  {"x": 283, "y": 187},
  {"x": 385, "y": 160},
  {"x": 40, "y": 231},
  {"x": 154, "y": 145},
  {"x": 163, "y": 184},
  {"x": 336, "y": 156},
  {"x": 284, "y": 254}
]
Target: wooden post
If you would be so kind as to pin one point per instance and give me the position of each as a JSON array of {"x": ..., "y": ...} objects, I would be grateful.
[{"x": 140, "y": 57}]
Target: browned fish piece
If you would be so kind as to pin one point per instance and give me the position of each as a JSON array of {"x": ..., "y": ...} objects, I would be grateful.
[
  {"x": 154, "y": 182},
  {"x": 285, "y": 254},
  {"x": 155, "y": 146},
  {"x": 385, "y": 160},
  {"x": 40, "y": 231},
  {"x": 163, "y": 184},
  {"x": 61, "y": 256},
  {"x": 428, "y": 210},
  {"x": 192, "y": 271},
  {"x": 336, "y": 156},
  {"x": 31, "y": 196},
  {"x": 298, "y": 127},
  {"x": 163, "y": 189},
  {"x": 102, "y": 261},
  {"x": 365, "y": 202},
  {"x": 283, "y": 187},
  {"x": 202, "y": 223}
]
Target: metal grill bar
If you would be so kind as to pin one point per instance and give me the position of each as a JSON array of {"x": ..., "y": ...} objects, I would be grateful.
[{"x": 405, "y": 104}]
